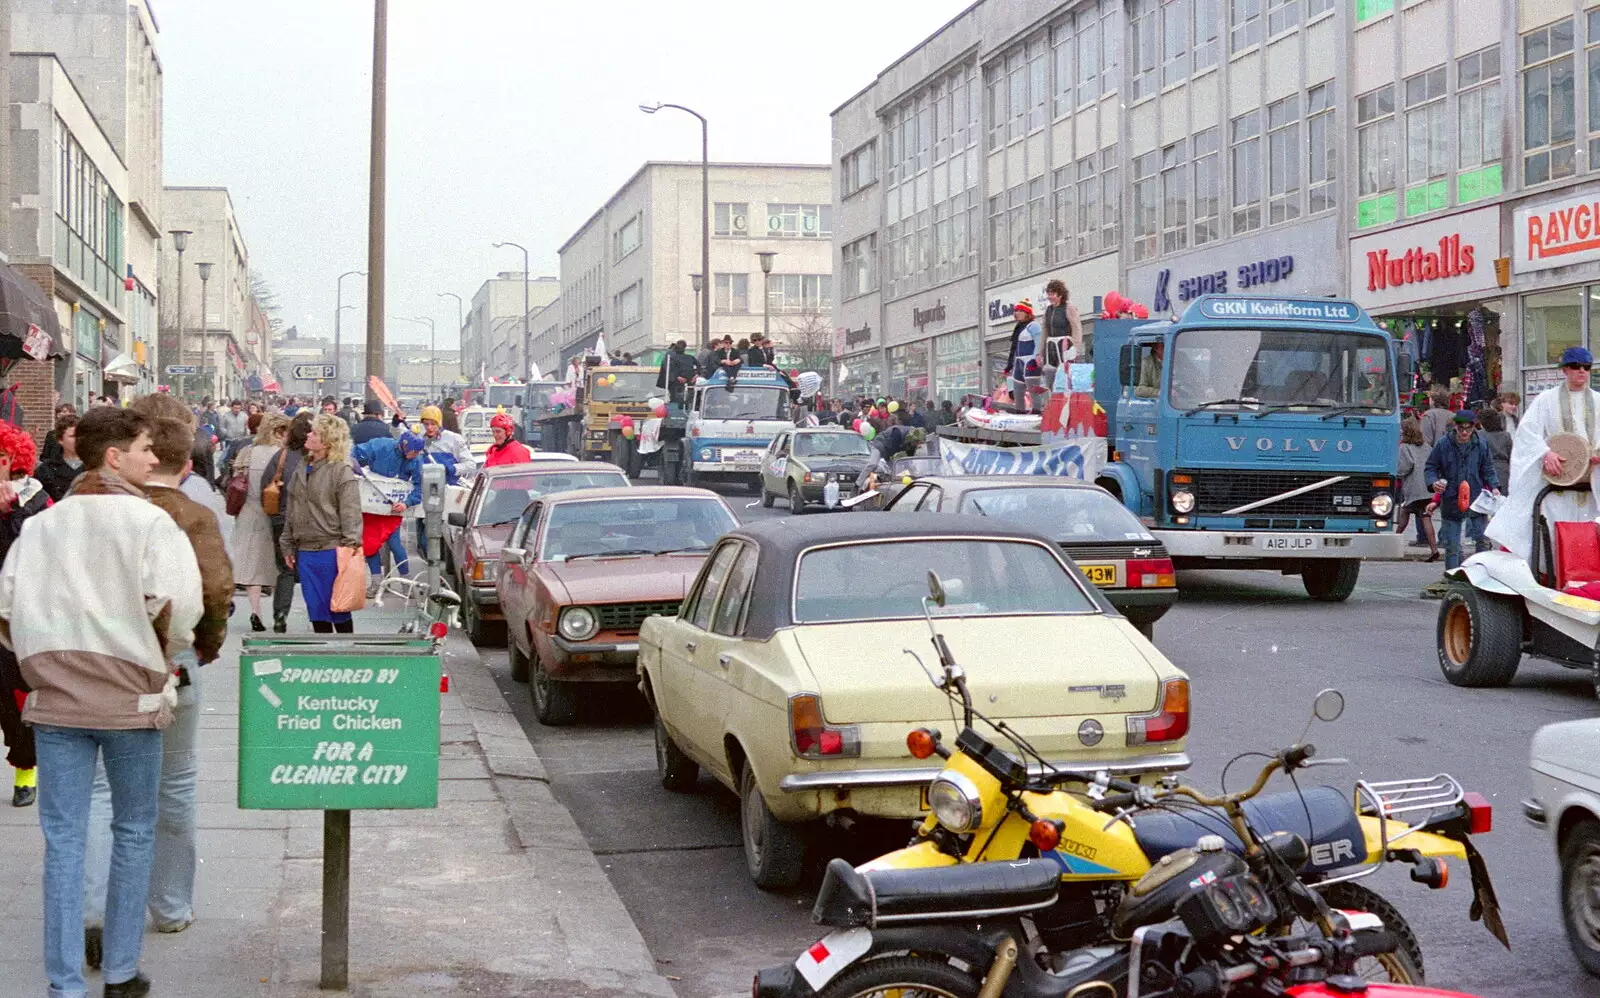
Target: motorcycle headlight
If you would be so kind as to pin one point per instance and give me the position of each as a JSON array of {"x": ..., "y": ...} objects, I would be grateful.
[
  {"x": 1382, "y": 504},
  {"x": 955, "y": 803},
  {"x": 578, "y": 623},
  {"x": 1183, "y": 502}
]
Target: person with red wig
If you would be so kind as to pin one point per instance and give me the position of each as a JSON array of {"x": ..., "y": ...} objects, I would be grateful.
[
  {"x": 506, "y": 449},
  {"x": 21, "y": 496}
]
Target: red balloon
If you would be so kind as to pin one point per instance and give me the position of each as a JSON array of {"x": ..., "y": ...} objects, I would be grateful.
[
  {"x": 856, "y": 426},
  {"x": 1140, "y": 312},
  {"x": 626, "y": 421},
  {"x": 794, "y": 372},
  {"x": 1113, "y": 302}
]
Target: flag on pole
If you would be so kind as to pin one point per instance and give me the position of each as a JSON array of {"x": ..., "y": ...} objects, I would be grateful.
[{"x": 600, "y": 348}]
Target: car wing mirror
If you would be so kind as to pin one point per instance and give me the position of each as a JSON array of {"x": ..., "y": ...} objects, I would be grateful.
[
  {"x": 511, "y": 555},
  {"x": 456, "y": 519},
  {"x": 935, "y": 589}
]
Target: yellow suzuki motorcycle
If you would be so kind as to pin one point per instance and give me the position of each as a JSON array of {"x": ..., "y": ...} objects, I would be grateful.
[{"x": 1106, "y": 833}]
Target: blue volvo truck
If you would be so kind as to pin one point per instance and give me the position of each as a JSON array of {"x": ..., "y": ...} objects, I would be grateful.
[{"x": 1257, "y": 433}]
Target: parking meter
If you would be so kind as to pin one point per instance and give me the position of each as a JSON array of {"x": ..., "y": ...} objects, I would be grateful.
[{"x": 433, "y": 498}]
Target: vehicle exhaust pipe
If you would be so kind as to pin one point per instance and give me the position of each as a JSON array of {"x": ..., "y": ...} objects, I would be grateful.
[{"x": 1005, "y": 961}]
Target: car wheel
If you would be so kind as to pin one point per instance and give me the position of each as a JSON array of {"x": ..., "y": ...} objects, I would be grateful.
[
  {"x": 678, "y": 772},
  {"x": 774, "y": 852},
  {"x": 519, "y": 662},
  {"x": 1580, "y": 893},
  {"x": 555, "y": 703},
  {"x": 1479, "y": 637},
  {"x": 767, "y": 498},
  {"x": 753, "y": 487},
  {"x": 1145, "y": 626},
  {"x": 1331, "y": 580},
  {"x": 797, "y": 502}
]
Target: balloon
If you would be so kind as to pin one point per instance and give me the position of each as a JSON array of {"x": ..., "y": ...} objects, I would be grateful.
[
  {"x": 1113, "y": 302},
  {"x": 905, "y": 479},
  {"x": 894, "y": 406},
  {"x": 660, "y": 410},
  {"x": 1140, "y": 312},
  {"x": 654, "y": 402},
  {"x": 794, "y": 372},
  {"x": 856, "y": 425},
  {"x": 626, "y": 421},
  {"x": 869, "y": 431},
  {"x": 627, "y": 430}
]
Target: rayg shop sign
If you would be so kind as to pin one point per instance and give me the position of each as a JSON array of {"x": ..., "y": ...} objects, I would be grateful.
[
  {"x": 1434, "y": 259},
  {"x": 1556, "y": 233}
]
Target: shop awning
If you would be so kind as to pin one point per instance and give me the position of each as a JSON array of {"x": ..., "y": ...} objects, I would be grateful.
[
  {"x": 24, "y": 308},
  {"x": 122, "y": 368}
]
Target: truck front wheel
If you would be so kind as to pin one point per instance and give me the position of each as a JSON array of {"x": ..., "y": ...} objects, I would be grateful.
[{"x": 1330, "y": 580}]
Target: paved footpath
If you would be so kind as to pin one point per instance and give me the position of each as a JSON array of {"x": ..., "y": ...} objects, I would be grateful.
[{"x": 494, "y": 893}]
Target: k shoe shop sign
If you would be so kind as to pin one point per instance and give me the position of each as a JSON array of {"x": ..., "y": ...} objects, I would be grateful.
[{"x": 1439, "y": 258}]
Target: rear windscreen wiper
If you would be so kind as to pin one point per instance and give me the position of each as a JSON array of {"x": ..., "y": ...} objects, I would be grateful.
[{"x": 609, "y": 554}]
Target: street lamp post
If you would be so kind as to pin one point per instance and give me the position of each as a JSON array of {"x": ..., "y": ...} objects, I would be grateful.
[
  {"x": 527, "y": 340},
  {"x": 180, "y": 242},
  {"x": 461, "y": 321},
  {"x": 338, "y": 310},
  {"x": 766, "y": 293},
  {"x": 699, "y": 283},
  {"x": 705, "y": 211},
  {"x": 205, "y": 284}
]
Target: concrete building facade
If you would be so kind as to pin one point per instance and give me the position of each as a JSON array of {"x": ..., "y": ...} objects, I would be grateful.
[
  {"x": 215, "y": 314},
  {"x": 627, "y": 272},
  {"x": 1167, "y": 148},
  {"x": 491, "y": 340}
]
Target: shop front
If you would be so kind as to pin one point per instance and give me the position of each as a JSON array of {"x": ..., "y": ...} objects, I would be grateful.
[
  {"x": 1434, "y": 286},
  {"x": 1086, "y": 283},
  {"x": 1555, "y": 264},
  {"x": 1283, "y": 261},
  {"x": 917, "y": 327},
  {"x": 858, "y": 361}
]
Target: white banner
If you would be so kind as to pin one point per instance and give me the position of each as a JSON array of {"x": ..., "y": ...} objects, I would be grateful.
[
  {"x": 1079, "y": 458},
  {"x": 379, "y": 493}
]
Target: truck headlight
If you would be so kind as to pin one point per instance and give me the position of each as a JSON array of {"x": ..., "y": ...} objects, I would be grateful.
[
  {"x": 955, "y": 803},
  {"x": 1183, "y": 501},
  {"x": 1382, "y": 504},
  {"x": 578, "y": 623}
]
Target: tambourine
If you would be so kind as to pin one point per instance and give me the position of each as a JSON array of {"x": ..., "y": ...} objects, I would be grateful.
[{"x": 1574, "y": 451}]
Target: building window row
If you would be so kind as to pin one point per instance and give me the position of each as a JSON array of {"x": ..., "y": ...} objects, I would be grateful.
[
  {"x": 1549, "y": 103},
  {"x": 799, "y": 292},
  {"x": 783, "y": 221},
  {"x": 931, "y": 178},
  {"x": 89, "y": 220},
  {"x": 629, "y": 305},
  {"x": 858, "y": 169},
  {"x": 731, "y": 293},
  {"x": 858, "y": 270}
]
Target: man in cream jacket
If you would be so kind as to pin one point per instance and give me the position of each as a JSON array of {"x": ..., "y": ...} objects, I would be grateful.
[{"x": 96, "y": 595}]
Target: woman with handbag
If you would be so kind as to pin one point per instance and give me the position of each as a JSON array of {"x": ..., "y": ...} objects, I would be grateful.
[
  {"x": 250, "y": 547},
  {"x": 324, "y": 516},
  {"x": 275, "y": 503}
]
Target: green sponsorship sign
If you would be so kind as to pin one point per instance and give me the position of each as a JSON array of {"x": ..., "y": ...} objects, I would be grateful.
[{"x": 323, "y": 727}]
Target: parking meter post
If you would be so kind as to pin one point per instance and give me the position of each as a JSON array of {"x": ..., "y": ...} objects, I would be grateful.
[
  {"x": 335, "y": 901},
  {"x": 433, "y": 498}
]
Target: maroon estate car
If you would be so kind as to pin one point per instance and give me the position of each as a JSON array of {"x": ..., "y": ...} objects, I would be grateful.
[{"x": 498, "y": 497}]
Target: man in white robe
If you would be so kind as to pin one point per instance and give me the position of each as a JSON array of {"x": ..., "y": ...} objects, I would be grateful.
[{"x": 1571, "y": 407}]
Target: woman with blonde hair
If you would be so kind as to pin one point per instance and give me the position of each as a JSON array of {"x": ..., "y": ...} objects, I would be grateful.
[
  {"x": 324, "y": 515},
  {"x": 250, "y": 546}
]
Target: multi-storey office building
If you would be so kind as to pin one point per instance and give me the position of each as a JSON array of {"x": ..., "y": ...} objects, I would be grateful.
[{"x": 1435, "y": 160}]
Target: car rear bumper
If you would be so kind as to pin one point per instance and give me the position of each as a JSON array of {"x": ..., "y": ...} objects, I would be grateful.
[
  {"x": 1149, "y": 603},
  {"x": 848, "y": 779},
  {"x": 1252, "y": 544},
  {"x": 485, "y": 598},
  {"x": 604, "y": 660}
]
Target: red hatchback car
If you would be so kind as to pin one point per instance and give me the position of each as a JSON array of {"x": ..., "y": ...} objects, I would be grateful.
[{"x": 580, "y": 573}]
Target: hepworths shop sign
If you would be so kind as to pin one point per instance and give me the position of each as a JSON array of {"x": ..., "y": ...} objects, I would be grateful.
[{"x": 1556, "y": 233}]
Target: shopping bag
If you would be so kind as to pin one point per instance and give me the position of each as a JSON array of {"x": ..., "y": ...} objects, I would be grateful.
[{"x": 350, "y": 585}]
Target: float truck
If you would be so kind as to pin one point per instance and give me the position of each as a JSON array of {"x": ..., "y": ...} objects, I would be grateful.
[
  {"x": 725, "y": 433},
  {"x": 1257, "y": 433}
]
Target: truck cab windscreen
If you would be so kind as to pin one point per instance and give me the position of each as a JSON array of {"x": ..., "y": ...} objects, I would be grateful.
[
  {"x": 631, "y": 386},
  {"x": 744, "y": 403},
  {"x": 1280, "y": 369}
]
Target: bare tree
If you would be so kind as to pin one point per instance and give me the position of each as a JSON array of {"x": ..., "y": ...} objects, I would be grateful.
[
  {"x": 808, "y": 336},
  {"x": 267, "y": 298}
]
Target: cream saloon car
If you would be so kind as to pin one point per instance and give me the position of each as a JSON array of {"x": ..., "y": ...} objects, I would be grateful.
[{"x": 791, "y": 672}]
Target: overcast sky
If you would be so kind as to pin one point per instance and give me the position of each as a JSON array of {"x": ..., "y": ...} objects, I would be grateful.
[{"x": 508, "y": 119}]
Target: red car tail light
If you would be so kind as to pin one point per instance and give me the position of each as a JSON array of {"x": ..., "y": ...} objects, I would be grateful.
[
  {"x": 1151, "y": 573},
  {"x": 1168, "y": 722},
  {"x": 813, "y": 738}
]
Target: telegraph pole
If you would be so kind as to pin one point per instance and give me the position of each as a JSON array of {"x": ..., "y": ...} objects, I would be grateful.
[{"x": 375, "y": 197}]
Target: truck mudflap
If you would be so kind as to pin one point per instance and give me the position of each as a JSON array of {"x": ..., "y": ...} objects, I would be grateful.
[{"x": 1260, "y": 545}]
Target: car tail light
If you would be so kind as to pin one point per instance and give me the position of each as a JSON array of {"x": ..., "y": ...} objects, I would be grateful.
[
  {"x": 814, "y": 738},
  {"x": 1168, "y": 722},
  {"x": 808, "y": 478},
  {"x": 1480, "y": 814},
  {"x": 1151, "y": 573}
]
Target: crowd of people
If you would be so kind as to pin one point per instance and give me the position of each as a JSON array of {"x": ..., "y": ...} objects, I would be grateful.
[{"x": 146, "y": 519}]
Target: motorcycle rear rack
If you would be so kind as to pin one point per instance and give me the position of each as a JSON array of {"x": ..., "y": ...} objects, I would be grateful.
[{"x": 1386, "y": 800}]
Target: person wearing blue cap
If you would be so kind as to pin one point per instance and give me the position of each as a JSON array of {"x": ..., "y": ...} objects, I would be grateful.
[
  {"x": 1571, "y": 407},
  {"x": 394, "y": 458},
  {"x": 1459, "y": 468}
]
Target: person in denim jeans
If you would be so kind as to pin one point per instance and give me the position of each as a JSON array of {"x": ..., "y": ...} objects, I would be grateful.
[
  {"x": 93, "y": 594},
  {"x": 1460, "y": 467},
  {"x": 171, "y": 896}
]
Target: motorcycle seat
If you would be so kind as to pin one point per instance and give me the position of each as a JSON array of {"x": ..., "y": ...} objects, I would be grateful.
[
  {"x": 1333, "y": 833},
  {"x": 850, "y": 898}
]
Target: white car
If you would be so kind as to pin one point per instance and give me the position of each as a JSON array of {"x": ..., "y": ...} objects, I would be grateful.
[{"x": 1565, "y": 764}]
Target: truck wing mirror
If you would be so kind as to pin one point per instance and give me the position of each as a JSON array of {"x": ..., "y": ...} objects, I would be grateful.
[
  {"x": 1403, "y": 367},
  {"x": 1125, "y": 365}
]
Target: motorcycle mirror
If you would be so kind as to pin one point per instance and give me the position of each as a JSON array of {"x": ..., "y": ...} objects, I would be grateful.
[
  {"x": 935, "y": 589},
  {"x": 1328, "y": 705}
]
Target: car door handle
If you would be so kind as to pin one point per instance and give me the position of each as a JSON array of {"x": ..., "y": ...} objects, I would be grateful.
[
  {"x": 724, "y": 659},
  {"x": 690, "y": 645}
]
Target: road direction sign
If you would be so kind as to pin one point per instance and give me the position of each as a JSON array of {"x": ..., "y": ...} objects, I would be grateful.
[
  {"x": 183, "y": 369},
  {"x": 313, "y": 372},
  {"x": 325, "y": 727}
]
